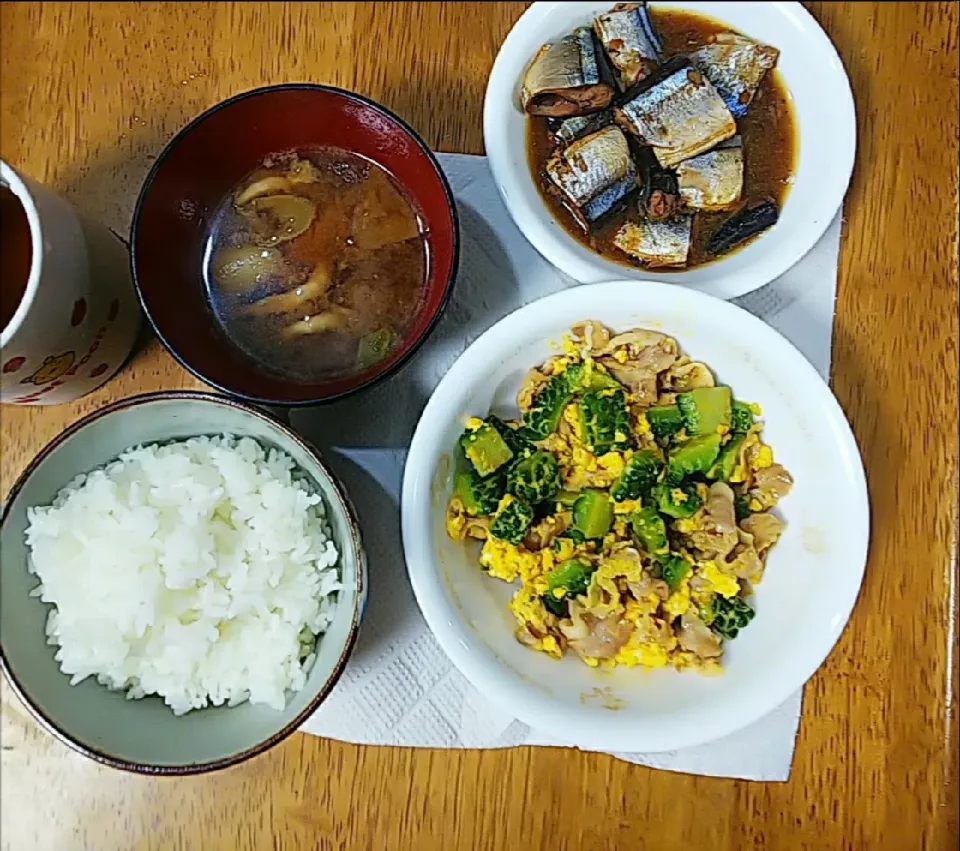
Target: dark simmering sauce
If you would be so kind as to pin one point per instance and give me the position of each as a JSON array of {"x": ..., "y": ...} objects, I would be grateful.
[{"x": 768, "y": 133}]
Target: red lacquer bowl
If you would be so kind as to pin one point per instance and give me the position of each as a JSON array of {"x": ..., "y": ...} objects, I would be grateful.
[{"x": 206, "y": 160}]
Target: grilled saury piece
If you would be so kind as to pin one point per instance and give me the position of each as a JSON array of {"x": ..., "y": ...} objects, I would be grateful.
[
  {"x": 714, "y": 180},
  {"x": 631, "y": 42},
  {"x": 569, "y": 77},
  {"x": 657, "y": 244},
  {"x": 567, "y": 130},
  {"x": 735, "y": 65},
  {"x": 594, "y": 173},
  {"x": 742, "y": 225},
  {"x": 677, "y": 112}
]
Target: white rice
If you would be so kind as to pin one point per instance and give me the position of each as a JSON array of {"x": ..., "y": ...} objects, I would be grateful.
[{"x": 201, "y": 571}]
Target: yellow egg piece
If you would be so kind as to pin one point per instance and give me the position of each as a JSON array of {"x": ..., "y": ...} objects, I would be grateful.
[
  {"x": 679, "y": 601},
  {"x": 764, "y": 458},
  {"x": 724, "y": 584}
]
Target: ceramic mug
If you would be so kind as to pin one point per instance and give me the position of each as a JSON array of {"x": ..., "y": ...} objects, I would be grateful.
[{"x": 69, "y": 311}]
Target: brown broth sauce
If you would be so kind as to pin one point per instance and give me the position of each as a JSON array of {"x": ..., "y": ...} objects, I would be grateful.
[
  {"x": 768, "y": 133},
  {"x": 366, "y": 243}
]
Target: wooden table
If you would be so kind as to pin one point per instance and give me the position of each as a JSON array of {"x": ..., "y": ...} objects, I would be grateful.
[{"x": 92, "y": 92}]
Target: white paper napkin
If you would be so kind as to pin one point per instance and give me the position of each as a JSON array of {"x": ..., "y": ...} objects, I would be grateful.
[{"x": 399, "y": 688}]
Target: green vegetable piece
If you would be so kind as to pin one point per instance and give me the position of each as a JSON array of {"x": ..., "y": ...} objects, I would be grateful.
[
  {"x": 574, "y": 575},
  {"x": 460, "y": 461},
  {"x": 374, "y": 347},
  {"x": 741, "y": 506},
  {"x": 479, "y": 496},
  {"x": 694, "y": 456},
  {"x": 638, "y": 477},
  {"x": 512, "y": 520},
  {"x": 511, "y": 436},
  {"x": 665, "y": 421},
  {"x": 649, "y": 529},
  {"x": 708, "y": 611},
  {"x": 568, "y": 498},
  {"x": 673, "y": 568},
  {"x": 678, "y": 500},
  {"x": 544, "y": 415},
  {"x": 535, "y": 478},
  {"x": 705, "y": 409},
  {"x": 580, "y": 381},
  {"x": 593, "y": 514},
  {"x": 726, "y": 617},
  {"x": 485, "y": 449},
  {"x": 560, "y": 607},
  {"x": 726, "y": 462},
  {"x": 741, "y": 417},
  {"x": 604, "y": 421}
]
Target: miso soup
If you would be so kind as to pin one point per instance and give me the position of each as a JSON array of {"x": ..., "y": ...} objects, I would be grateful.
[{"x": 316, "y": 264}]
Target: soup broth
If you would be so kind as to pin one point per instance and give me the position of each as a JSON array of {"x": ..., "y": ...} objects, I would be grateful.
[{"x": 316, "y": 264}]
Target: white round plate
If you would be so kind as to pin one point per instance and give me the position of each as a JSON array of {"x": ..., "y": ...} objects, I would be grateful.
[
  {"x": 812, "y": 577},
  {"x": 825, "y": 116}
]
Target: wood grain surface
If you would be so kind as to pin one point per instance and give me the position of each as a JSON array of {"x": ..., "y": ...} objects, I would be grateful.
[{"x": 90, "y": 94}]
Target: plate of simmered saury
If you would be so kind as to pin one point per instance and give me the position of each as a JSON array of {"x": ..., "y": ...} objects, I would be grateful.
[
  {"x": 670, "y": 138},
  {"x": 634, "y": 516}
]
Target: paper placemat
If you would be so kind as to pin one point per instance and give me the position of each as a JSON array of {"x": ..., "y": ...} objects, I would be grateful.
[{"x": 399, "y": 688}]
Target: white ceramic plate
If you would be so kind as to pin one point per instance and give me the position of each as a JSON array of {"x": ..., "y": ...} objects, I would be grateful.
[
  {"x": 825, "y": 116},
  {"x": 813, "y": 574}
]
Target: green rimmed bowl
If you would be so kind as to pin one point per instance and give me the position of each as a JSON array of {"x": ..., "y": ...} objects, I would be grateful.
[{"x": 144, "y": 735}]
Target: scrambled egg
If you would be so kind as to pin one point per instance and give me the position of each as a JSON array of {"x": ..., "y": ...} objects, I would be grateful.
[
  {"x": 724, "y": 584},
  {"x": 764, "y": 458},
  {"x": 638, "y": 652},
  {"x": 628, "y": 506},
  {"x": 572, "y": 415},
  {"x": 564, "y": 548},
  {"x": 579, "y": 467},
  {"x": 679, "y": 601},
  {"x": 456, "y": 519},
  {"x": 507, "y": 561},
  {"x": 637, "y": 611},
  {"x": 529, "y": 609},
  {"x": 611, "y": 463}
]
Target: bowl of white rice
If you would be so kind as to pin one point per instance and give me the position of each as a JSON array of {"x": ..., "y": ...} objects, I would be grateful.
[{"x": 181, "y": 583}]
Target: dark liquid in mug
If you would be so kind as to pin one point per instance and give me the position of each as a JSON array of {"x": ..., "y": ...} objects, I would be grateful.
[{"x": 16, "y": 254}]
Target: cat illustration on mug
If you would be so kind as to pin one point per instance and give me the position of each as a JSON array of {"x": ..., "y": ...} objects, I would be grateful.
[{"x": 52, "y": 368}]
